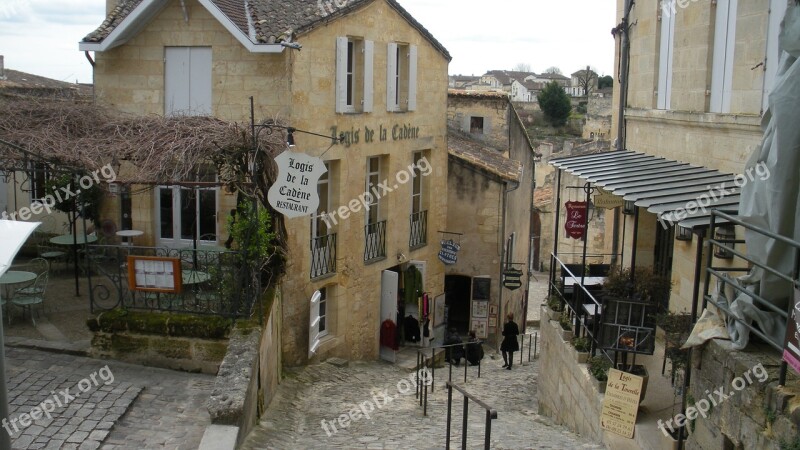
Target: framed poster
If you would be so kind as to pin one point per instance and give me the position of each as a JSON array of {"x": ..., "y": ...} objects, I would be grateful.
[
  {"x": 154, "y": 274},
  {"x": 479, "y": 325},
  {"x": 492, "y": 320},
  {"x": 480, "y": 309}
]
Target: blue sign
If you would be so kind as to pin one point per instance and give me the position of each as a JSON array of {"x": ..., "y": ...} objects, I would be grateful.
[{"x": 449, "y": 252}]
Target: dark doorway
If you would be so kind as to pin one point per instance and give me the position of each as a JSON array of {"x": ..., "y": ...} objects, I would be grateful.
[
  {"x": 458, "y": 289},
  {"x": 665, "y": 239},
  {"x": 536, "y": 236}
]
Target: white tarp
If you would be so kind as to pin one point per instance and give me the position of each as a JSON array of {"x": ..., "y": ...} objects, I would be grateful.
[
  {"x": 773, "y": 203},
  {"x": 12, "y": 235}
]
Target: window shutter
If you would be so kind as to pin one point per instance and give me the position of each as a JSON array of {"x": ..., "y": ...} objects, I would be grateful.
[
  {"x": 341, "y": 74},
  {"x": 391, "y": 71},
  {"x": 369, "y": 88},
  {"x": 313, "y": 324},
  {"x": 200, "y": 68},
  {"x": 412, "y": 78}
]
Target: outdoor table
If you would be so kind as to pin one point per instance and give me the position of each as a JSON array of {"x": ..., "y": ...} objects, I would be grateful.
[
  {"x": 14, "y": 277},
  {"x": 74, "y": 241},
  {"x": 128, "y": 235}
]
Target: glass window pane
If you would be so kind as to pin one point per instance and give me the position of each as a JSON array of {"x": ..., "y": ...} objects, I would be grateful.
[
  {"x": 165, "y": 206},
  {"x": 188, "y": 214},
  {"x": 208, "y": 214}
]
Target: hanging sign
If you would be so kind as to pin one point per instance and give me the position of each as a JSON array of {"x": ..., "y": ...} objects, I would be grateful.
[
  {"x": 791, "y": 346},
  {"x": 512, "y": 279},
  {"x": 607, "y": 200},
  {"x": 576, "y": 219},
  {"x": 449, "y": 252},
  {"x": 294, "y": 193}
]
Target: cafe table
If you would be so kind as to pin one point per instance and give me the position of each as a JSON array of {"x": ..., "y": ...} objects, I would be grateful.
[
  {"x": 74, "y": 241},
  {"x": 13, "y": 278}
]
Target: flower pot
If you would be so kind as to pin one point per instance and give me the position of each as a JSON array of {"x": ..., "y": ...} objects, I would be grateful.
[
  {"x": 600, "y": 386},
  {"x": 581, "y": 357},
  {"x": 566, "y": 335}
]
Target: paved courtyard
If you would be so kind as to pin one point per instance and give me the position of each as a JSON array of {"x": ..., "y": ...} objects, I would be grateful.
[
  {"x": 123, "y": 406},
  {"x": 325, "y": 391}
]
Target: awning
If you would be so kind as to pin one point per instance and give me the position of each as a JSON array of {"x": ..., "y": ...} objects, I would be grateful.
[{"x": 678, "y": 193}]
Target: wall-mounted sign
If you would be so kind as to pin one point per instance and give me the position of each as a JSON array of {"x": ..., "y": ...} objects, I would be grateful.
[
  {"x": 396, "y": 132},
  {"x": 154, "y": 274},
  {"x": 575, "y": 224},
  {"x": 294, "y": 193},
  {"x": 621, "y": 403},
  {"x": 512, "y": 279},
  {"x": 607, "y": 200},
  {"x": 791, "y": 346},
  {"x": 449, "y": 252},
  {"x": 480, "y": 309}
]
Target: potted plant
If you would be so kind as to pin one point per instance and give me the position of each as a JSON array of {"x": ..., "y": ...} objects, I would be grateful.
[
  {"x": 582, "y": 346},
  {"x": 677, "y": 327},
  {"x": 598, "y": 367},
  {"x": 566, "y": 326},
  {"x": 554, "y": 307}
]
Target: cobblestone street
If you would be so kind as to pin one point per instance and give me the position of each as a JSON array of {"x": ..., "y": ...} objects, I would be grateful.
[
  {"x": 324, "y": 392},
  {"x": 139, "y": 408}
]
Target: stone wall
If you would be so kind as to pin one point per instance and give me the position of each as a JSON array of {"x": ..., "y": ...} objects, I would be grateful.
[
  {"x": 494, "y": 111},
  {"x": 566, "y": 389},
  {"x": 759, "y": 415}
]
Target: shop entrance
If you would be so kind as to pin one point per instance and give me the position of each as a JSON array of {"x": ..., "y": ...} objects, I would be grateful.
[{"x": 458, "y": 289}]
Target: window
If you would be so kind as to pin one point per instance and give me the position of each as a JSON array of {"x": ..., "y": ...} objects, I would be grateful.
[
  {"x": 419, "y": 216},
  {"x": 416, "y": 186},
  {"x": 323, "y": 312},
  {"x": 665, "y": 60},
  {"x": 187, "y": 81},
  {"x": 38, "y": 177},
  {"x": 186, "y": 214},
  {"x": 401, "y": 77},
  {"x": 373, "y": 178},
  {"x": 319, "y": 227},
  {"x": 323, "y": 239},
  {"x": 724, "y": 45},
  {"x": 476, "y": 125},
  {"x": 354, "y": 87},
  {"x": 375, "y": 228}
]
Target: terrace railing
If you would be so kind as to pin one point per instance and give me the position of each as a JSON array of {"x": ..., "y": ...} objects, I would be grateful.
[
  {"x": 323, "y": 255},
  {"x": 419, "y": 230}
]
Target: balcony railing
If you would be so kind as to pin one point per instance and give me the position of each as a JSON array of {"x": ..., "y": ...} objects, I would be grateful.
[
  {"x": 419, "y": 230},
  {"x": 323, "y": 255},
  {"x": 375, "y": 241}
]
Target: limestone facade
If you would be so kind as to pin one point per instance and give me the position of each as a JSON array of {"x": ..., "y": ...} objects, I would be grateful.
[{"x": 299, "y": 87}]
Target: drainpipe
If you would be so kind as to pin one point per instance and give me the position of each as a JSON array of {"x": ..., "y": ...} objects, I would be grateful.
[
  {"x": 500, "y": 316},
  {"x": 624, "y": 69}
]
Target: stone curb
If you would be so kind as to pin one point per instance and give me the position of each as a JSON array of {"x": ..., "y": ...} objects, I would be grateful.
[{"x": 80, "y": 348}]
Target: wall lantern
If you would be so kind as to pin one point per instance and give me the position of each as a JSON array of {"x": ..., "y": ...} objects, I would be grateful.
[
  {"x": 683, "y": 233},
  {"x": 725, "y": 233},
  {"x": 629, "y": 208}
]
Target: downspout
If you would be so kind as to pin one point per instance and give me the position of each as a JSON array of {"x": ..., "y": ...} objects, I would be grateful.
[
  {"x": 624, "y": 70},
  {"x": 91, "y": 61},
  {"x": 506, "y": 190}
]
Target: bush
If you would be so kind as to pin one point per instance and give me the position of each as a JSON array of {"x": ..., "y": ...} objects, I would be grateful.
[
  {"x": 582, "y": 344},
  {"x": 565, "y": 321},
  {"x": 555, "y": 104},
  {"x": 598, "y": 366},
  {"x": 554, "y": 303}
]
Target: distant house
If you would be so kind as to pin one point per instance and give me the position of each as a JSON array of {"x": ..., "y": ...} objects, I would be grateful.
[
  {"x": 578, "y": 85},
  {"x": 510, "y": 81},
  {"x": 463, "y": 81}
]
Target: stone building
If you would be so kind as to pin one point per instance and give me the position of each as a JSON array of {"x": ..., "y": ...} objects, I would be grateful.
[
  {"x": 362, "y": 71},
  {"x": 490, "y": 187}
]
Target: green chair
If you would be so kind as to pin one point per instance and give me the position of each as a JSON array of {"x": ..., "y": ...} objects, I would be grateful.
[
  {"x": 27, "y": 298},
  {"x": 52, "y": 254}
]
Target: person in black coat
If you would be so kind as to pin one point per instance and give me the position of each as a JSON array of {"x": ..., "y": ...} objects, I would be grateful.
[
  {"x": 453, "y": 354},
  {"x": 509, "y": 344},
  {"x": 474, "y": 349}
]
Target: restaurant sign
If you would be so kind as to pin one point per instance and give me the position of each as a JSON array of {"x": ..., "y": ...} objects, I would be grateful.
[
  {"x": 791, "y": 346},
  {"x": 449, "y": 252},
  {"x": 575, "y": 224},
  {"x": 607, "y": 200},
  {"x": 294, "y": 193}
]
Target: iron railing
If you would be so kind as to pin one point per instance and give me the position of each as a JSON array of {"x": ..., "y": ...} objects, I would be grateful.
[
  {"x": 491, "y": 414},
  {"x": 419, "y": 230},
  {"x": 719, "y": 274},
  {"x": 375, "y": 241},
  {"x": 214, "y": 282},
  {"x": 323, "y": 255},
  {"x": 533, "y": 343},
  {"x": 429, "y": 365}
]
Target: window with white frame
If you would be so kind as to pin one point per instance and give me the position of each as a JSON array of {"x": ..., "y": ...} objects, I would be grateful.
[
  {"x": 187, "y": 214},
  {"x": 354, "y": 86},
  {"x": 401, "y": 77},
  {"x": 323, "y": 312},
  {"x": 38, "y": 176},
  {"x": 665, "y": 60},
  {"x": 416, "y": 186},
  {"x": 319, "y": 226},
  {"x": 187, "y": 81},
  {"x": 724, "y": 48}
]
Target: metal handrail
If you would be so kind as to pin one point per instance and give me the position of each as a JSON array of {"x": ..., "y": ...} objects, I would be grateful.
[
  {"x": 422, "y": 391},
  {"x": 596, "y": 317},
  {"x": 491, "y": 414},
  {"x": 535, "y": 339}
]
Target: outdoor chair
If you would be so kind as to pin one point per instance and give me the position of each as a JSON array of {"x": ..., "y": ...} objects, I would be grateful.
[
  {"x": 27, "y": 298},
  {"x": 52, "y": 254},
  {"x": 37, "y": 266}
]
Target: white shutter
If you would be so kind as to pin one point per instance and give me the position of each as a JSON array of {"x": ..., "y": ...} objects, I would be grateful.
[
  {"x": 665, "y": 61},
  {"x": 176, "y": 76},
  {"x": 777, "y": 9},
  {"x": 369, "y": 88},
  {"x": 412, "y": 78},
  {"x": 341, "y": 74},
  {"x": 313, "y": 324},
  {"x": 391, "y": 73},
  {"x": 724, "y": 45},
  {"x": 200, "y": 81}
]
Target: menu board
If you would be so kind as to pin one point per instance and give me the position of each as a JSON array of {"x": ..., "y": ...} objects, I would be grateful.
[
  {"x": 153, "y": 274},
  {"x": 621, "y": 403}
]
